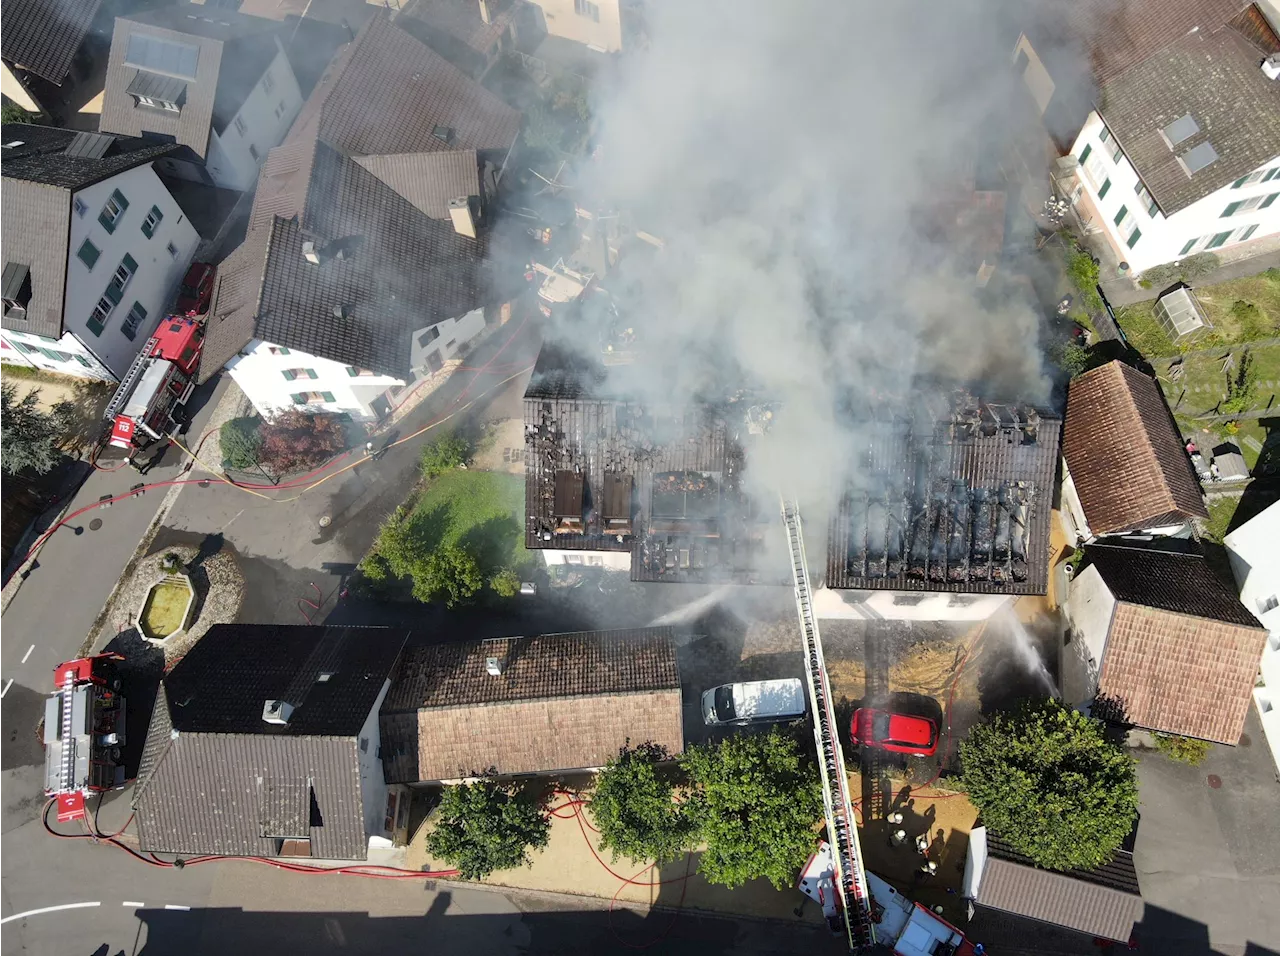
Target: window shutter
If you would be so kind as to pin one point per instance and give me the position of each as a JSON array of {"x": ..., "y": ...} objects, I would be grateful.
[
  {"x": 327, "y": 396},
  {"x": 106, "y": 223},
  {"x": 1187, "y": 247},
  {"x": 118, "y": 196},
  {"x": 300, "y": 398},
  {"x": 1269, "y": 200},
  {"x": 1134, "y": 237},
  {"x": 352, "y": 371},
  {"x": 1249, "y": 232},
  {"x": 1239, "y": 182},
  {"x": 289, "y": 375},
  {"x": 114, "y": 293},
  {"x": 1231, "y": 209},
  {"x": 88, "y": 254},
  {"x": 1105, "y": 134},
  {"x": 1124, "y": 211},
  {"x": 1103, "y": 191},
  {"x": 312, "y": 373},
  {"x": 1270, "y": 174},
  {"x": 129, "y": 262},
  {"x": 1084, "y": 153},
  {"x": 94, "y": 326}
]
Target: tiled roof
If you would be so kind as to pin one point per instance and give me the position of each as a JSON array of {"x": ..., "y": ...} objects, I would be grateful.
[
  {"x": 39, "y": 180},
  {"x": 562, "y": 702},
  {"x": 43, "y": 36},
  {"x": 248, "y": 43},
  {"x": 455, "y": 29},
  {"x": 1124, "y": 453},
  {"x": 1214, "y": 77},
  {"x": 1104, "y": 902},
  {"x": 400, "y": 269},
  {"x": 428, "y": 180},
  {"x": 1182, "y": 652},
  {"x": 549, "y": 665}
]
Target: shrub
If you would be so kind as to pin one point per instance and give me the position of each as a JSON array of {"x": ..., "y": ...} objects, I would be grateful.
[
  {"x": 486, "y": 826},
  {"x": 29, "y": 436},
  {"x": 1071, "y": 357},
  {"x": 241, "y": 442},
  {"x": 1084, "y": 273},
  {"x": 1186, "y": 750},
  {"x": 634, "y": 807},
  {"x": 171, "y": 563},
  {"x": 295, "y": 441},
  {"x": 441, "y": 455},
  {"x": 1197, "y": 266},
  {"x": 505, "y": 583},
  {"x": 448, "y": 573},
  {"x": 1241, "y": 386},
  {"x": 1048, "y": 781},
  {"x": 1252, "y": 324}
]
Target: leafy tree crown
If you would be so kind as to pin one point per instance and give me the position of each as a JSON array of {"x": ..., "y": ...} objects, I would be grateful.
[
  {"x": 486, "y": 826},
  {"x": 635, "y": 809}
]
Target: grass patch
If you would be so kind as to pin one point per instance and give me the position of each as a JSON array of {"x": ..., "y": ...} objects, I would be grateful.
[
  {"x": 1240, "y": 310},
  {"x": 1222, "y": 509},
  {"x": 1186, "y": 750},
  {"x": 479, "y": 511},
  {"x": 1203, "y": 384}
]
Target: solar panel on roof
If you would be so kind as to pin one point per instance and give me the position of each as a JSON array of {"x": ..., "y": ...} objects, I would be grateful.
[
  {"x": 89, "y": 145},
  {"x": 1181, "y": 128},
  {"x": 1198, "y": 157},
  {"x": 162, "y": 56}
]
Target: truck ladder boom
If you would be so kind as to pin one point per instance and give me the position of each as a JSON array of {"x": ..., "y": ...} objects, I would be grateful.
[
  {"x": 130, "y": 379},
  {"x": 850, "y": 877},
  {"x": 67, "y": 767}
]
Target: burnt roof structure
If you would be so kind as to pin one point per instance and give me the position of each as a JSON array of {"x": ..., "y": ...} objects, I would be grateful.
[
  {"x": 956, "y": 498},
  {"x": 607, "y": 473}
]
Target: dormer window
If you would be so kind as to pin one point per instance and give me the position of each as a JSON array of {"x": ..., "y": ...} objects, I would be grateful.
[
  {"x": 1184, "y": 127},
  {"x": 17, "y": 290},
  {"x": 1198, "y": 157},
  {"x": 446, "y": 134},
  {"x": 153, "y": 91}
]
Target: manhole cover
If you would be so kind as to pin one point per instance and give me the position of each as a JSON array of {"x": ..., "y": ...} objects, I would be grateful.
[
  {"x": 95, "y": 524},
  {"x": 1214, "y": 781},
  {"x": 325, "y": 521}
]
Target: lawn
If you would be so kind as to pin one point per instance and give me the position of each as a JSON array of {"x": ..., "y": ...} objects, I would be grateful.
[
  {"x": 1204, "y": 383},
  {"x": 481, "y": 511},
  {"x": 1231, "y": 325},
  {"x": 1221, "y": 510}
]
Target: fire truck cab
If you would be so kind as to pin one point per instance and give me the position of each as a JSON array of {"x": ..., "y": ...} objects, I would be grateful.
[
  {"x": 158, "y": 383},
  {"x": 84, "y": 733}
]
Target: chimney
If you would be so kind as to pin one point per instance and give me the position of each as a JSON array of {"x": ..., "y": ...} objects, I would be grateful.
[
  {"x": 310, "y": 253},
  {"x": 1270, "y": 66},
  {"x": 464, "y": 223},
  {"x": 494, "y": 666},
  {"x": 277, "y": 712},
  {"x": 341, "y": 311},
  {"x": 484, "y": 11}
]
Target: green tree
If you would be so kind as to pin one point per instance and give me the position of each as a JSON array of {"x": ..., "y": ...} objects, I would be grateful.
[
  {"x": 1084, "y": 273},
  {"x": 486, "y": 826},
  {"x": 756, "y": 801},
  {"x": 1071, "y": 357},
  {"x": 13, "y": 113},
  {"x": 1047, "y": 781},
  {"x": 396, "y": 551},
  {"x": 442, "y": 455},
  {"x": 29, "y": 436},
  {"x": 634, "y": 807},
  {"x": 448, "y": 573},
  {"x": 505, "y": 583},
  {"x": 1241, "y": 386},
  {"x": 241, "y": 442}
]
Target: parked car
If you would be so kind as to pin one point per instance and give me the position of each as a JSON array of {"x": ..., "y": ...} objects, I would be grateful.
[
  {"x": 196, "y": 289},
  {"x": 897, "y": 733},
  {"x": 754, "y": 702}
]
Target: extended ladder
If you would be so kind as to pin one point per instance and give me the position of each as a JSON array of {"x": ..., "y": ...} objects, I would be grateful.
[
  {"x": 67, "y": 765},
  {"x": 850, "y": 877},
  {"x": 130, "y": 379}
]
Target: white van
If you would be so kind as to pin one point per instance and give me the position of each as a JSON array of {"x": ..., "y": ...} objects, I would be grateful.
[{"x": 753, "y": 702}]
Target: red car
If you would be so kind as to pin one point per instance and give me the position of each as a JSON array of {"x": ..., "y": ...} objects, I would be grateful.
[
  {"x": 898, "y": 733},
  {"x": 196, "y": 289}
]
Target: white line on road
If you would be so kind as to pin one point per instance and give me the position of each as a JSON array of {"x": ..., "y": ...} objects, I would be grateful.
[
  {"x": 175, "y": 906},
  {"x": 28, "y": 654},
  {"x": 46, "y": 909},
  {"x": 7, "y": 685},
  {"x": 132, "y": 903}
]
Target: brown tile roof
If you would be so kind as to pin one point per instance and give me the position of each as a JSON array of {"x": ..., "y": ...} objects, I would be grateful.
[
  {"x": 1124, "y": 453},
  {"x": 543, "y": 735},
  {"x": 428, "y": 180},
  {"x": 44, "y": 36},
  {"x": 460, "y": 20}
]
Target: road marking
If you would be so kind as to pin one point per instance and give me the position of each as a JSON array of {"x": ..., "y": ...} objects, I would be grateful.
[
  {"x": 46, "y": 909},
  {"x": 7, "y": 685},
  {"x": 175, "y": 906},
  {"x": 132, "y": 903},
  {"x": 28, "y": 654}
]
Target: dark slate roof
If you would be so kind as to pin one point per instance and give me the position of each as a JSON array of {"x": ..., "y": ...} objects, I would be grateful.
[
  {"x": 1214, "y": 77},
  {"x": 1102, "y": 902},
  {"x": 401, "y": 269},
  {"x": 549, "y": 665},
  {"x": 43, "y": 36},
  {"x": 39, "y": 180},
  {"x": 216, "y": 779},
  {"x": 1181, "y": 582},
  {"x": 985, "y": 467},
  {"x": 455, "y": 29},
  {"x": 246, "y": 45}
]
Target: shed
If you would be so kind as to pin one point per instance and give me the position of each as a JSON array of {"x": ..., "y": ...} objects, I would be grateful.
[
  {"x": 1230, "y": 464},
  {"x": 1179, "y": 314}
]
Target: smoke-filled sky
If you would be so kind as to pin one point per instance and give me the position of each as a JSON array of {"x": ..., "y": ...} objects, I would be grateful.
[{"x": 794, "y": 156}]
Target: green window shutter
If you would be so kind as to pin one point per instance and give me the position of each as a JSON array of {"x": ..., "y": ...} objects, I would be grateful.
[
  {"x": 118, "y": 196},
  {"x": 1105, "y": 186},
  {"x": 1124, "y": 211},
  {"x": 88, "y": 253},
  {"x": 327, "y": 396},
  {"x": 1269, "y": 200},
  {"x": 1133, "y": 239},
  {"x": 299, "y": 398},
  {"x": 1153, "y": 209},
  {"x": 289, "y": 374},
  {"x": 1218, "y": 240},
  {"x": 1231, "y": 209},
  {"x": 1084, "y": 153},
  {"x": 129, "y": 262},
  {"x": 283, "y": 350},
  {"x": 1270, "y": 174},
  {"x": 1187, "y": 247},
  {"x": 106, "y": 223},
  {"x": 352, "y": 371},
  {"x": 83, "y": 361},
  {"x": 50, "y": 354},
  {"x": 114, "y": 293},
  {"x": 1240, "y": 182},
  {"x": 1105, "y": 134},
  {"x": 1249, "y": 232},
  {"x": 153, "y": 219},
  {"x": 312, "y": 373},
  {"x": 94, "y": 326}
]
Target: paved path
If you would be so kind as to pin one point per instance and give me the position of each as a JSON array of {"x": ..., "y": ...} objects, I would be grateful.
[{"x": 1127, "y": 292}]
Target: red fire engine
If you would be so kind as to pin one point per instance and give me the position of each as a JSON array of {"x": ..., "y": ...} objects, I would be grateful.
[
  {"x": 83, "y": 733},
  {"x": 159, "y": 381}
]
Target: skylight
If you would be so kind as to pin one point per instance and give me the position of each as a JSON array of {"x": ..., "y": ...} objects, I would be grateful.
[
  {"x": 1198, "y": 157},
  {"x": 162, "y": 56},
  {"x": 1182, "y": 128}
]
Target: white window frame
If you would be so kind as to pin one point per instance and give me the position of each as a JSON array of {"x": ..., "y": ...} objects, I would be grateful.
[
  {"x": 102, "y": 311},
  {"x": 585, "y": 8},
  {"x": 172, "y": 250},
  {"x": 1096, "y": 167},
  {"x": 128, "y": 329},
  {"x": 81, "y": 207},
  {"x": 268, "y": 81},
  {"x": 240, "y": 125},
  {"x": 112, "y": 210},
  {"x": 122, "y": 282}
]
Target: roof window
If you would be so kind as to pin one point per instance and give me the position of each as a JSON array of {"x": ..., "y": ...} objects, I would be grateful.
[
  {"x": 1184, "y": 127},
  {"x": 445, "y": 134},
  {"x": 1198, "y": 157}
]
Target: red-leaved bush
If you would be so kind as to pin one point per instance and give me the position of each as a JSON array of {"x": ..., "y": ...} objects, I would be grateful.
[{"x": 295, "y": 441}]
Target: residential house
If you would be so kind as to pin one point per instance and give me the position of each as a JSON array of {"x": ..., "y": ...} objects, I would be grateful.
[
  {"x": 94, "y": 249},
  {"x": 950, "y": 516},
  {"x": 470, "y": 34},
  {"x": 527, "y": 705},
  {"x": 1104, "y": 902},
  {"x": 1125, "y": 469},
  {"x": 1157, "y": 640},
  {"x": 264, "y": 742},
  {"x": 364, "y": 265},
  {"x": 44, "y": 50},
  {"x": 600, "y": 25},
  {"x": 1255, "y": 560},
  {"x": 1179, "y": 150},
  {"x": 214, "y": 81}
]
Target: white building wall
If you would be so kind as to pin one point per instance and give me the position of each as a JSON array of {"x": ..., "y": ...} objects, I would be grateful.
[
  {"x": 267, "y": 116},
  {"x": 1089, "y": 609},
  {"x": 1078, "y": 526},
  {"x": 1186, "y": 232},
  {"x": 373, "y": 786},
  {"x": 67, "y": 355},
  {"x": 162, "y": 261},
  {"x": 975, "y": 862},
  {"x": 613, "y": 560},
  {"x": 596, "y": 23},
  {"x": 833, "y": 603}
]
